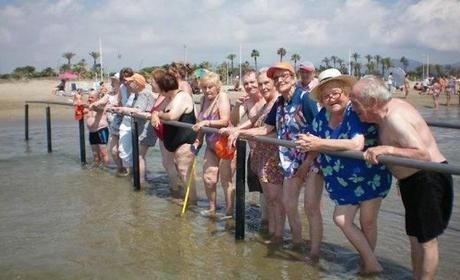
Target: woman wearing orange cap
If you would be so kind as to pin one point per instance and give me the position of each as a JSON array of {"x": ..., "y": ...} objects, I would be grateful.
[
  {"x": 215, "y": 113},
  {"x": 292, "y": 112}
]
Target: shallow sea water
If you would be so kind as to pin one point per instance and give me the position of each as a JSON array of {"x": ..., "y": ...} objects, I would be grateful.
[{"x": 61, "y": 221}]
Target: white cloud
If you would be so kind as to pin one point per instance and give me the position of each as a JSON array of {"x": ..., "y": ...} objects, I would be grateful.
[{"x": 155, "y": 31}]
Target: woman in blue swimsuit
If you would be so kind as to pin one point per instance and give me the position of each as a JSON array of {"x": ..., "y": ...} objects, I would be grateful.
[{"x": 352, "y": 184}]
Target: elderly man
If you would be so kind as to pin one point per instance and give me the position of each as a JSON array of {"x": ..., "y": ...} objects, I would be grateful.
[
  {"x": 307, "y": 76},
  {"x": 426, "y": 195}
]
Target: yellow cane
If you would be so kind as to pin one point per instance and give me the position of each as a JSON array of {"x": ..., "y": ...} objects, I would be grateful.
[{"x": 189, "y": 185}]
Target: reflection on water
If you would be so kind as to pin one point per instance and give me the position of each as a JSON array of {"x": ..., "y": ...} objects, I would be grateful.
[{"x": 58, "y": 220}]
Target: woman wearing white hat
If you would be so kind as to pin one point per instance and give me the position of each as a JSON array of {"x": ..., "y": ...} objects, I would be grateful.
[{"x": 352, "y": 184}]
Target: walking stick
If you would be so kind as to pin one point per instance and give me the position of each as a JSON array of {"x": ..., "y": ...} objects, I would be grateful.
[{"x": 189, "y": 185}]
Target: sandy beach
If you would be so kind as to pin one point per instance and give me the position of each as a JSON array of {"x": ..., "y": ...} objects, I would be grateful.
[{"x": 13, "y": 95}]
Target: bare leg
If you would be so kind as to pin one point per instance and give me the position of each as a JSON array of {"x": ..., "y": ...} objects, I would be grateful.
[
  {"x": 312, "y": 206},
  {"x": 273, "y": 195},
  {"x": 96, "y": 158},
  {"x": 343, "y": 218},
  {"x": 227, "y": 170},
  {"x": 142, "y": 152},
  {"x": 114, "y": 151},
  {"x": 183, "y": 158},
  {"x": 167, "y": 159},
  {"x": 424, "y": 258},
  {"x": 104, "y": 154},
  {"x": 210, "y": 178},
  {"x": 291, "y": 192},
  {"x": 368, "y": 212}
]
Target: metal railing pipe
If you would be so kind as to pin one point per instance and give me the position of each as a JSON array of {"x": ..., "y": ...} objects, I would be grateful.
[
  {"x": 135, "y": 153},
  {"x": 26, "y": 122},
  {"x": 240, "y": 199},
  {"x": 81, "y": 128},
  {"x": 48, "y": 128}
]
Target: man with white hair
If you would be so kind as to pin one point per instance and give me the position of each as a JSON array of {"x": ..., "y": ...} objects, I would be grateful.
[{"x": 427, "y": 196}]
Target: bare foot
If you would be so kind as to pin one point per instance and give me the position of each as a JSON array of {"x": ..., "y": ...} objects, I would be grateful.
[
  {"x": 274, "y": 240},
  {"x": 370, "y": 271},
  {"x": 311, "y": 258}
]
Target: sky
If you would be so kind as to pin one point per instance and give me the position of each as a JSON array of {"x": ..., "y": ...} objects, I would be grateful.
[{"x": 143, "y": 33}]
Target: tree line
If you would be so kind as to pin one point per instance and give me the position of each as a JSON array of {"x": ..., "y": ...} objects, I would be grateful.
[{"x": 359, "y": 66}]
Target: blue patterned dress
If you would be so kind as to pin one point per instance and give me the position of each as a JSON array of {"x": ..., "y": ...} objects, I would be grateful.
[
  {"x": 350, "y": 181},
  {"x": 291, "y": 118}
]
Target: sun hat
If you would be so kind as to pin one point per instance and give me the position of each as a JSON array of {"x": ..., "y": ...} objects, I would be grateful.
[
  {"x": 328, "y": 75},
  {"x": 115, "y": 76},
  {"x": 138, "y": 78},
  {"x": 279, "y": 66},
  {"x": 307, "y": 66}
]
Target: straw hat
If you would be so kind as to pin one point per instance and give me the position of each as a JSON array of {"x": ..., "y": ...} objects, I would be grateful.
[
  {"x": 279, "y": 66},
  {"x": 328, "y": 75}
]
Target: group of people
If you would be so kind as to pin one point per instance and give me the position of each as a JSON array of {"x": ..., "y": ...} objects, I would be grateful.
[
  {"x": 333, "y": 112},
  {"x": 443, "y": 85}
]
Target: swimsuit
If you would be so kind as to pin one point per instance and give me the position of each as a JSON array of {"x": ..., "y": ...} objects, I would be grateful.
[
  {"x": 175, "y": 136},
  {"x": 350, "y": 181},
  {"x": 211, "y": 138},
  {"x": 99, "y": 137}
]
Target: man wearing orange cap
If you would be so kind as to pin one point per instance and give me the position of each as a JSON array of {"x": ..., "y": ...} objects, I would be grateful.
[
  {"x": 291, "y": 114},
  {"x": 139, "y": 103}
]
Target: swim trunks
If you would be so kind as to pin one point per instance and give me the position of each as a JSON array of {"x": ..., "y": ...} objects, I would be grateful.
[
  {"x": 99, "y": 137},
  {"x": 427, "y": 197}
]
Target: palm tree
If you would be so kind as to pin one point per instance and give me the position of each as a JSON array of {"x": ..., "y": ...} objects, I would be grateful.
[
  {"x": 358, "y": 69},
  {"x": 255, "y": 54},
  {"x": 341, "y": 65},
  {"x": 355, "y": 57},
  {"x": 334, "y": 60},
  {"x": 95, "y": 56},
  {"x": 281, "y": 52},
  {"x": 370, "y": 67},
  {"x": 404, "y": 62},
  {"x": 295, "y": 57},
  {"x": 377, "y": 58},
  {"x": 386, "y": 63},
  {"x": 369, "y": 58},
  {"x": 326, "y": 62},
  {"x": 231, "y": 57},
  {"x": 68, "y": 56}
]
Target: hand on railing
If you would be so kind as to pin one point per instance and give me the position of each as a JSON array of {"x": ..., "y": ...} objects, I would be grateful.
[
  {"x": 196, "y": 127},
  {"x": 155, "y": 119}
]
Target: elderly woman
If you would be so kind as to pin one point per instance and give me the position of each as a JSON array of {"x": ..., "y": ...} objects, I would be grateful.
[
  {"x": 139, "y": 102},
  {"x": 265, "y": 161},
  {"x": 177, "y": 141},
  {"x": 352, "y": 184},
  {"x": 215, "y": 113},
  {"x": 291, "y": 113},
  {"x": 180, "y": 71}
]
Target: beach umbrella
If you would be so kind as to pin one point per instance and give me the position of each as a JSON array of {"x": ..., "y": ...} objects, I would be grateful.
[
  {"x": 67, "y": 76},
  {"x": 398, "y": 76}
]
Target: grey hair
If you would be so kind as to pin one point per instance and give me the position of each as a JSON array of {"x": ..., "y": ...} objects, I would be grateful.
[{"x": 371, "y": 87}]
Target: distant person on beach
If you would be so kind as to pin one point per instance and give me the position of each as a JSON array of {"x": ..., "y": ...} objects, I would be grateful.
[
  {"x": 427, "y": 196},
  {"x": 291, "y": 114},
  {"x": 390, "y": 82},
  {"x": 435, "y": 91},
  {"x": 60, "y": 88},
  {"x": 450, "y": 89},
  {"x": 177, "y": 141},
  {"x": 214, "y": 112},
  {"x": 406, "y": 85},
  {"x": 181, "y": 71},
  {"x": 352, "y": 184},
  {"x": 98, "y": 131},
  {"x": 264, "y": 163},
  {"x": 139, "y": 103}
]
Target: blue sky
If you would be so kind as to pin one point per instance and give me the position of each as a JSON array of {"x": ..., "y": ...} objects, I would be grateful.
[{"x": 143, "y": 33}]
